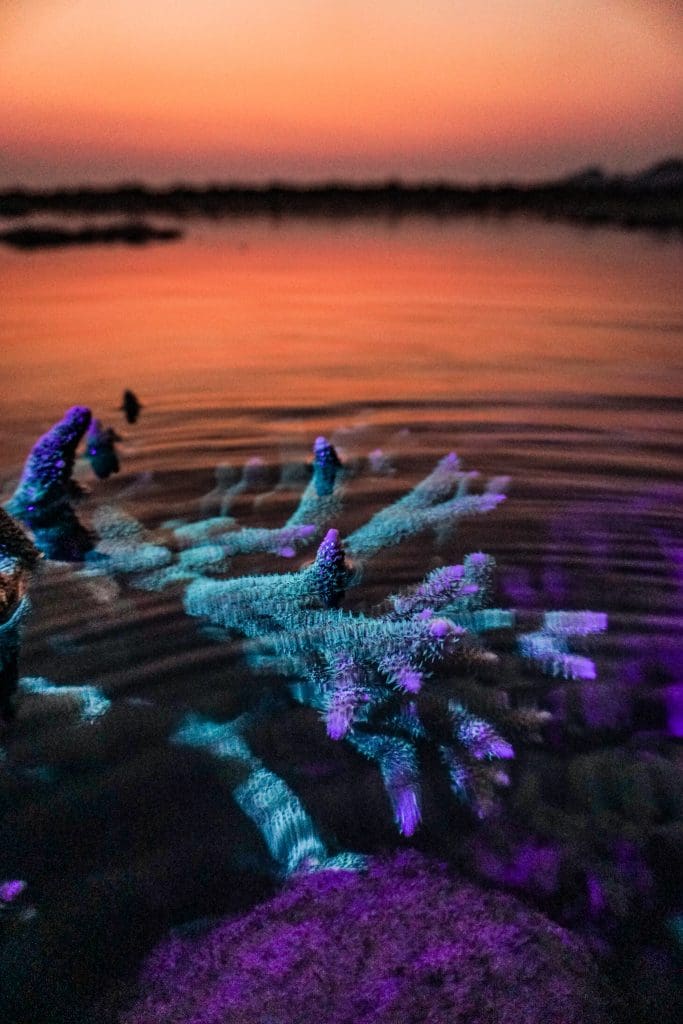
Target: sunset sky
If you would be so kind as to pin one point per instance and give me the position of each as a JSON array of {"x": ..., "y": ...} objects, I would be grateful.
[{"x": 96, "y": 91}]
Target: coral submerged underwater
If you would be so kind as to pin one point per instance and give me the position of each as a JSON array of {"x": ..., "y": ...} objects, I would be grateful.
[{"x": 408, "y": 802}]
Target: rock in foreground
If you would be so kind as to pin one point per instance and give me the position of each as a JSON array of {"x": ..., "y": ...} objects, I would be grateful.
[{"x": 406, "y": 943}]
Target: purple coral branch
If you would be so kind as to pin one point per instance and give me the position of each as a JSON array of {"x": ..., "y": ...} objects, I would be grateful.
[{"x": 45, "y": 482}]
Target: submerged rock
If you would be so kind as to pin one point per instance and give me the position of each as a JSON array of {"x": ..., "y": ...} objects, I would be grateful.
[{"x": 407, "y": 942}]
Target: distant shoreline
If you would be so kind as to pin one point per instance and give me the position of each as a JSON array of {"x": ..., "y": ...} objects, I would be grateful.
[
  {"x": 136, "y": 233},
  {"x": 652, "y": 199}
]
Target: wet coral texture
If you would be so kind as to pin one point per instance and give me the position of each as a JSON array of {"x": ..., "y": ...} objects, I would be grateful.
[{"x": 405, "y": 943}]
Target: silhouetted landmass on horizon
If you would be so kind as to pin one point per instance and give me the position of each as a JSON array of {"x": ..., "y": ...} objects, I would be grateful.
[
  {"x": 652, "y": 198},
  {"x": 51, "y": 237}
]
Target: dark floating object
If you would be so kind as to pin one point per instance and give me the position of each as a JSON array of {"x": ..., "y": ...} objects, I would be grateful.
[
  {"x": 131, "y": 406},
  {"x": 42, "y": 501},
  {"x": 101, "y": 450},
  {"x": 54, "y": 237}
]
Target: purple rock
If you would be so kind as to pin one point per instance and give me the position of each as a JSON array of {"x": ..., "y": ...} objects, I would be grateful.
[{"x": 407, "y": 942}]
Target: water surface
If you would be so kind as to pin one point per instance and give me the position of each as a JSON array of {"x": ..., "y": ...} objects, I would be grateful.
[{"x": 547, "y": 352}]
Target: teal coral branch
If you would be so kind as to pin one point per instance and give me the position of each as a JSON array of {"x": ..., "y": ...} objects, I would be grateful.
[
  {"x": 437, "y": 503},
  {"x": 549, "y": 646},
  {"x": 287, "y": 829},
  {"x": 90, "y": 700},
  {"x": 371, "y": 676},
  {"x": 322, "y": 500}
]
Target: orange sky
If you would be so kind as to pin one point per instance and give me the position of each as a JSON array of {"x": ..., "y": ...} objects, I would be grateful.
[{"x": 161, "y": 90}]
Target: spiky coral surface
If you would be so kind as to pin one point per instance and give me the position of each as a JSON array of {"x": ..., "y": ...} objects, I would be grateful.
[
  {"x": 43, "y": 498},
  {"x": 392, "y": 681},
  {"x": 15, "y": 543},
  {"x": 45, "y": 483},
  {"x": 373, "y": 675},
  {"x": 18, "y": 555},
  {"x": 101, "y": 449},
  {"x": 406, "y": 942}
]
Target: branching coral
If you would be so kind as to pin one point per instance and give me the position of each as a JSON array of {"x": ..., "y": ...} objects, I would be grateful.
[
  {"x": 549, "y": 646},
  {"x": 222, "y": 545},
  {"x": 288, "y": 830},
  {"x": 321, "y": 502},
  {"x": 230, "y": 485},
  {"x": 101, "y": 449},
  {"x": 43, "y": 498},
  {"x": 89, "y": 701},
  {"x": 209, "y": 545},
  {"x": 123, "y": 546},
  {"x": 436, "y": 503},
  {"x": 392, "y": 682},
  {"x": 46, "y": 485}
]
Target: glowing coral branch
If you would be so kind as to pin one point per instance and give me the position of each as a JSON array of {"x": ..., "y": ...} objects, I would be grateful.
[
  {"x": 549, "y": 646},
  {"x": 287, "y": 829},
  {"x": 398, "y": 764},
  {"x": 43, "y": 497},
  {"x": 321, "y": 502},
  {"x": 46, "y": 484},
  {"x": 90, "y": 700},
  {"x": 437, "y": 502}
]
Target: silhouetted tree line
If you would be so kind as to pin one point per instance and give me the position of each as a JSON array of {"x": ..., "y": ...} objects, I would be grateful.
[{"x": 652, "y": 198}]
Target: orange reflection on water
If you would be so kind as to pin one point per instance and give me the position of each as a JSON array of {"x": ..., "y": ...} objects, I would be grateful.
[{"x": 253, "y": 313}]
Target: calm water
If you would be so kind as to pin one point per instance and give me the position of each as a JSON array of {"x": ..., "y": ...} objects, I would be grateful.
[{"x": 546, "y": 352}]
